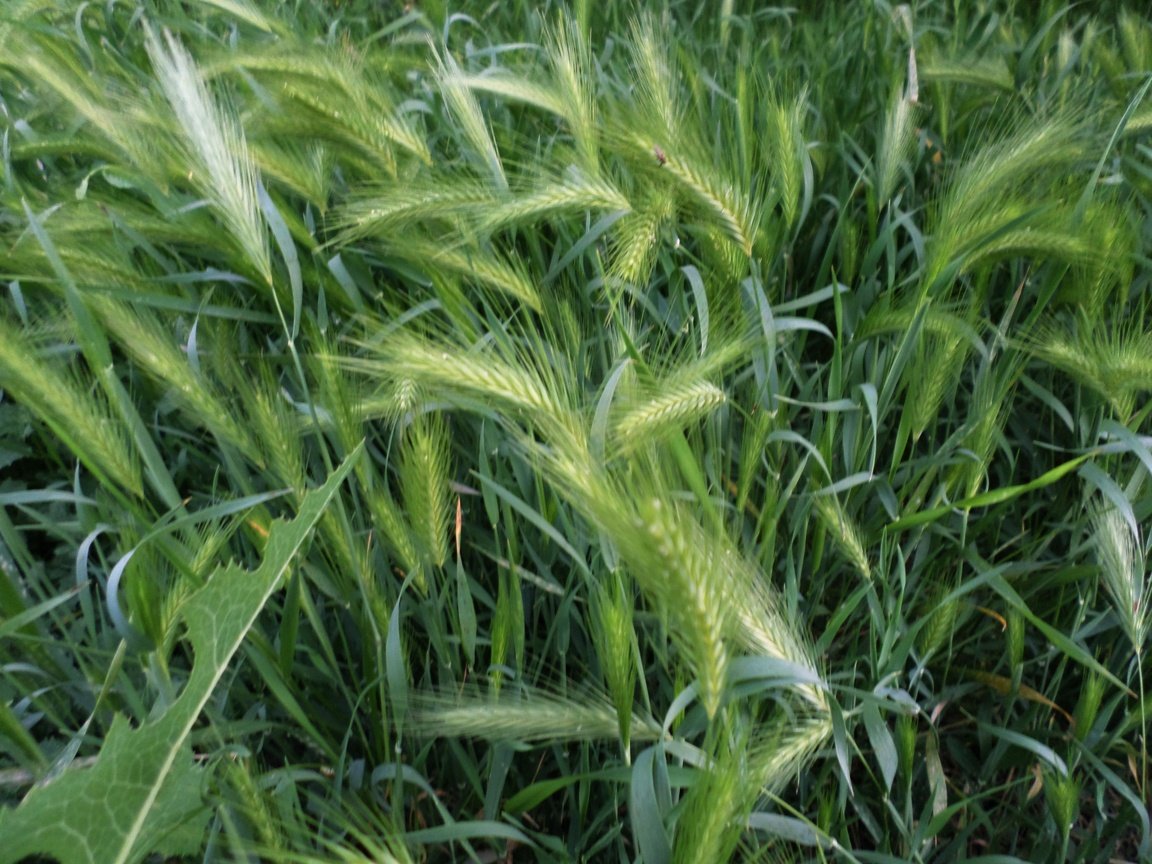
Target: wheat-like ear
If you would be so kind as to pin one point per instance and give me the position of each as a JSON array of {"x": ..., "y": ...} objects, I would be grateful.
[
  {"x": 505, "y": 274},
  {"x": 223, "y": 169},
  {"x": 716, "y": 806},
  {"x": 1124, "y": 573},
  {"x": 389, "y": 521},
  {"x": 777, "y": 756},
  {"x": 573, "y": 72},
  {"x": 424, "y": 475},
  {"x": 276, "y": 427},
  {"x": 989, "y": 73},
  {"x": 786, "y": 148},
  {"x": 895, "y": 145},
  {"x": 476, "y": 377},
  {"x": 253, "y": 804},
  {"x": 933, "y": 377},
  {"x": 636, "y": 237},
  {"x": 381, "y": 210},
  {"x": 674, "y": 408},
  {"x": 1117, "y": 366},
  {"x": 1135, "y": 39},
  {"x": 991, "y": 403},
  {"x": 466, "y": 111},
  {"x": 981, "y": 198},
  {"x": 74, "y": 410},
  {"x": 844, "y": 531},
  {"x": 54, "y": 66},
  {"x": 1105, "y": 279},
  {"x": 656, "y": 82},
  {"x": 936, "y": 320},
  {"x": 690, "y": 580},
  {"x": 337, "y": 95},
  {"x": 141, "y": 335},
  {"x": 736, "y": 211},
  {"x": 523, "y": 714},
  {"x": 763, "y": 630},
  {"x": 576, "y": 192},
  {"x": 1139, "y": 123},
  {"x": 517, "y": 88},
  {"x": 614, "y": 638},
  {"x": 940, "y": 611}
]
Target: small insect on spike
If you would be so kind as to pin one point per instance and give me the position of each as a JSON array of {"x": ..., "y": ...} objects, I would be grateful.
[{"x": 659, "y": 154}]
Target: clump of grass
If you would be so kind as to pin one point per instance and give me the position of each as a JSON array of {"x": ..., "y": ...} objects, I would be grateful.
[{"x": 715, "y": 434}]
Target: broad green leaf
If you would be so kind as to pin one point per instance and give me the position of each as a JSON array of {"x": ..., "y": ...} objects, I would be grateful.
[
  {"x": 883, "y": 747},
  {"x": 788, "y": 828},
  {"x": 466, "y": 612},
  {"x": 647, "y": 819},
  {"x": 144, "y": 787}
]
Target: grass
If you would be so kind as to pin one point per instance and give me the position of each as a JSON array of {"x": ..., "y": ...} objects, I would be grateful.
[{"x": 560, "y": 432}]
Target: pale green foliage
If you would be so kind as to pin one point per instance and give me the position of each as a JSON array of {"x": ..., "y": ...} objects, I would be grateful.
[{"x": 730, "y": 378}]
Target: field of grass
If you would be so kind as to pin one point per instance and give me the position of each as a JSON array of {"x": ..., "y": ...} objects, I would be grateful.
[{"x": 508, "y": 432}]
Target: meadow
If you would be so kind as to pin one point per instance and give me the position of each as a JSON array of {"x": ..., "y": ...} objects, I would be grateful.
[{"x": 669, "y": 433}]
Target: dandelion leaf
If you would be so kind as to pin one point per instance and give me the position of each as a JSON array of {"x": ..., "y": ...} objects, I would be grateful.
[{"x": 142, "y": 795}]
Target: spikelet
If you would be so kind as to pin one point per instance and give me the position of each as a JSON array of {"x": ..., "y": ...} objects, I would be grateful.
[
  {"x": 424, "y": 474},
  {"x": 715, "y": 809},
  {"x": 731, "y": 207},
  {"x": 478, "y": 377},
  {"x": 470, "y": 119},
  {"x": 635, "y": 242},
  {"x": 71, "y": 407},
  {"x": 486, "y": 268},
  {"x": 762, "y": 629},
  {"x": 779, "y": 756},
  {"x": 1124, "y": 575},
  {"x": 224, "y": 170},
  {"x": 156, "y": 351},
  {"x": 1116, "y": 366},
  {"x": 574, "y": 193},
  {"x": 612, "y": 629},
  {"x": 785, "y": 140},
  {"x": 529, "y": 715},
  {"x": 844, "y": 531},
  {"x": 673, "y": 560},
  {"x": 674, "y": 408},
  {"x": 573, "y": 73},
  {"x": 895, "y": 145},
  {"x": 941, "y": 614},
  {"x": 933, "y": 378}
]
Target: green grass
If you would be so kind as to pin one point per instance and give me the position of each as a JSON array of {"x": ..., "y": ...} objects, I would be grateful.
[{"x": 565, "y": 432}]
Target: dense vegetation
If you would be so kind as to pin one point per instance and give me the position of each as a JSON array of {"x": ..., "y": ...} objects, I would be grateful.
[{"x": 542, "y": 432}]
